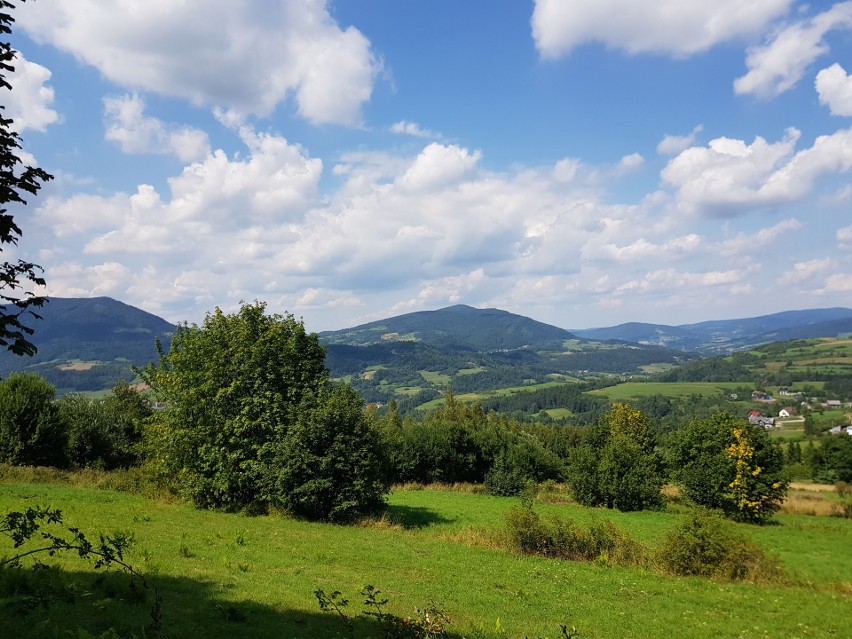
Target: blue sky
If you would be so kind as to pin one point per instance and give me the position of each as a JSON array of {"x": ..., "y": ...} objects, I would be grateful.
[{"x": 582, "y": 162}]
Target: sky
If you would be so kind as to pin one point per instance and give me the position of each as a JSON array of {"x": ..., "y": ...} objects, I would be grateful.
[{"x": 582, "y": 162}]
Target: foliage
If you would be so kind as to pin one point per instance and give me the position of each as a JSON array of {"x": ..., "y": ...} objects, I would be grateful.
[
  {"x": 250, "y": 419},
  {"x": 330, "y": 463},
  {"x": 618, "y": 466},
  {"x": 428, "y": 623},
  {"x": 832, "y": 460},
  {"x": 562, "y": 538},
  {"x": 15, "y": 181},
  {"x": 458, "y": 442},
  {"x": 105, "y": 433},
  {"x": 31, "y": 430},
  {"x": 704, "y": 545},
  {"x": 724, "y": 463}
]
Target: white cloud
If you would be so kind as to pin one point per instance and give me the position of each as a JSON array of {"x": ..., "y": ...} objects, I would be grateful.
[
  {"x": 844, "y": 238},
  {"x": 834, "y": 86},
  {"x": 404, "y": 127},
  {"x": 730, "y": 177},
  {"x": 630, "y": 163},
  {"x": 777, "y": 66},
  {"x": 803, "y": 272},
  {"x": 134, "y": 132},
  {"x": 673, "y": 144},
  {"x": 751, "y": 242},
  {"x": 28, "y": 104},
  {"x": 439, "y": 164},
  {"x": 671, "y": 27},
  {"x": 248, "y": 56}
]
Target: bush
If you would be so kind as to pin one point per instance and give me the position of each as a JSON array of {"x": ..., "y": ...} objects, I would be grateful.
[
  {"x": 31, "y": 430},
  {"x": 562, "y": 538},
  {"x": 705, "y": 545},
  {"x": 329, "y": 466}
]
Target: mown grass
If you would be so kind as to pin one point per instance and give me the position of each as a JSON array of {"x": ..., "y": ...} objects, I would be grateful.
[{"x": 226, "y": 574}]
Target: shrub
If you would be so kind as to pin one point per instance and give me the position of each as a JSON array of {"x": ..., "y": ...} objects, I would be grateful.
[
  {"x": 562, "y": 538},
  {"x": 31, "y": 430},
  {"x": 705, "y": 545}
]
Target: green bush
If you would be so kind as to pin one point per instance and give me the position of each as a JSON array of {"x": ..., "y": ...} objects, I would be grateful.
[
  {"x": 562, "y": 538},
  {"x": 705, "y": 545},
  {"x": 32, "y": 432}
]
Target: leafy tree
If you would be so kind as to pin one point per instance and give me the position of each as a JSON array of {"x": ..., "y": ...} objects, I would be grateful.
[
  {"x": 31, "y": 430},
  {"x": 330, "y": 463},
  {"x": 105, "y": 433},
  {"x": 618, "y": 466},
  {"x": 728, "y": 464},
  {"x": 15, "y": 181},
  {"x": 242, "y": 394}
]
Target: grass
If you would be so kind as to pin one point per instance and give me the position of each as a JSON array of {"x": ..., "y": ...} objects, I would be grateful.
[
  {"x": 231, "y": 575},
  {"x": 632, "y": 390}
]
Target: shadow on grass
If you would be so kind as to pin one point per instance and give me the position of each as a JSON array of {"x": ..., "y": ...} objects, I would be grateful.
[
  {"x": 50, "y": 602},
  {"x": 415, "y": 516}
]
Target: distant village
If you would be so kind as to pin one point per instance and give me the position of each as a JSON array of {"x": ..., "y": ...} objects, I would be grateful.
[{"x": 768, "y": 421}]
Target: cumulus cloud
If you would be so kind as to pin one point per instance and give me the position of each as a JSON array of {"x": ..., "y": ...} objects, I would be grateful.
[
  {"x": 834, "y": 87},
  {"x": 129, "y": 127},
  {"x": 670, "y": 27},
  {"x": 674, "y": 144},
  {"x": 730, "y": 177},
  {"x": 438, "y": 164},
  {"x": 630, "y": 163},
  {"x": 28, "y": 104},
  {"x": 777, "y": 66},
  {"x": 248, "y": 56}
]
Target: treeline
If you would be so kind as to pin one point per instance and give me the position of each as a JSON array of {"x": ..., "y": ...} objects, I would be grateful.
[
  {"x": 585, "y": 408},
  {"x": 249, "y": 419}
]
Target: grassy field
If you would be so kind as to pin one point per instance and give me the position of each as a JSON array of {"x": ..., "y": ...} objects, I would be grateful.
[
  {"x": 632, "y": 390},
  {"x": 231, "y": 575}
]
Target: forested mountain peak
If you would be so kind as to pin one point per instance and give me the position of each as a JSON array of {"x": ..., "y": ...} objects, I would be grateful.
[{"x": 460, "y": 326}]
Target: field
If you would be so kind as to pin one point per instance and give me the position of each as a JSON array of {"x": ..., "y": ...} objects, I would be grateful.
[
  {"x": 225, "y": 574},
  {"x": 632, "y": 390}
]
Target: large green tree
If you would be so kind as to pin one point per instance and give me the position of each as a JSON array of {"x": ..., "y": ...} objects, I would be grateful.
[
  {"x": 618, "y": 465},
  {"x": 241, "y": 393},
  {"x": 19, "y": 278},
  {"x": 726, "y": 463}
]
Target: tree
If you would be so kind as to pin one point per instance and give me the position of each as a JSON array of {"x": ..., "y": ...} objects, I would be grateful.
[
  {"x": 618, "y": 466},
  {"x": 242, "y": 393},
  {"x": 105, "y": 433},
  {"x": 330, "y": 463},
  {"x": 16, "y": 278},
  {"x": 730, "y": 465},
  {"x": 31, "y": 430}
]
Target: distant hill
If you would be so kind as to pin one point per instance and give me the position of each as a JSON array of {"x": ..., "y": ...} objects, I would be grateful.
[
  {"x": 413, "y": 357},
  {"x": 718, "y": 336},
  {"x": 90, "y": 343},
  {"x": 457, "y": 327}
]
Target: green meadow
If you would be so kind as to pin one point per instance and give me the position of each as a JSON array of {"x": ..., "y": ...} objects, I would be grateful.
[{"x": 232, "y": 575}]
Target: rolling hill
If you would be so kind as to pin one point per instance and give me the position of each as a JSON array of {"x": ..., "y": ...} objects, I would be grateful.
[{"x": 719, "y": 336}]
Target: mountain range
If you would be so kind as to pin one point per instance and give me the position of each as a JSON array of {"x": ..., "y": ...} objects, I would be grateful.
[{"x": 89, "y": 343}]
